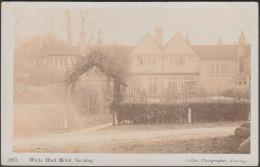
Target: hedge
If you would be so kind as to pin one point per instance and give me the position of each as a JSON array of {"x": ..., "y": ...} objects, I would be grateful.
[{"x": 140, "y": 113}]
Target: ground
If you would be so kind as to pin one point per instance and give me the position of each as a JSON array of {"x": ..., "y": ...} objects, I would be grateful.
[{"x": 175, "y": 138}]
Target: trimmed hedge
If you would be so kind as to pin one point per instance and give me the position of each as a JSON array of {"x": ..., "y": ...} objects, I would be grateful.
[{"x": 139, "y": 113}]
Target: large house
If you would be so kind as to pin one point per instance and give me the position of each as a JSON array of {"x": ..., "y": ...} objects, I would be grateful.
[
  {"x": 179, "y": 68},
  {"x": 159, "y": 72}
]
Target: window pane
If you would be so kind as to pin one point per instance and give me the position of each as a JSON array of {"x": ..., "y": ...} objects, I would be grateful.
[
  {"x": 180, "y": 60},
  {"x": 65, "y": 62},
  {"x": 56, "y": 61},
  {"x": 175, "y": 60},
  {"x": 145, "y": 60},
  {"x": 171, "y": 60},
  {"x": 154, "y": 60},
  {"x": 184, "y": 60},
  {"x": 61, "y": 61},
  {"x": 169, "y": 84},
  {"x": 217, "y": 69},
  {"x": 155, "y": 87},
  {"x": 150, "y": 87},
  {"x": 149, "y": 60}
]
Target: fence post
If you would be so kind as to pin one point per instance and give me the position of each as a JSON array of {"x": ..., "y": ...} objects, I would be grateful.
[{"x": 189, "y": 115}]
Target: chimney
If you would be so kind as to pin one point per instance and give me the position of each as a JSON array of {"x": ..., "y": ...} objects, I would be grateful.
[
  {"x": 220, "y": 42},
  {"x": 159, "y": 36},
  {"x": 242, "y": 39}
]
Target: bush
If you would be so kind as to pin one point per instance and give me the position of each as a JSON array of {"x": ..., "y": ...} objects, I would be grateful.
[{"x": 140, "y": 113}]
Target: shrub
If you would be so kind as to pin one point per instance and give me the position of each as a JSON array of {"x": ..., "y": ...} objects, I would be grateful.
[{"x": 140, "y": 113}]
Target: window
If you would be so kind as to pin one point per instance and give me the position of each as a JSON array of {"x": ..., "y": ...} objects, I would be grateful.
[
  {"x": 51, "y": 61},
  {"x": 61, "y": 61},
  {"x": 145, "y": 60},
  {"x": 217, "y": 69},
  {"x": 243, "y": 81},
  {"x": 171, "y": 59},
  {"x": 224, "y": 70},
  {"x": 56, "y": 61},
  {"x": 154, "y": 60},
  {"x": 211, "y": 70},
  {"x": 189, "y": 78},
  {"x": 65, "y": 62},
  {"x": 172, "y": 83},
  {"x": 152, "y": 85},
  {"x": 177, "y": 60},
  {"x": 190, "y": 84},
  {"x": 149, "y": 60},
  {"x": 180, "y": 60},
  {"x": 138, "y": 87},
  {"x": 184, "y": 60}
]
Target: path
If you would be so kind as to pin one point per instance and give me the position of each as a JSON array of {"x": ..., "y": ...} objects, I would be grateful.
[{"x": 97, "y": 135}]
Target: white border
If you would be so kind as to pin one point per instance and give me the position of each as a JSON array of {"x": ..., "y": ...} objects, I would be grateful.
[{"x": 7, "y": 35}]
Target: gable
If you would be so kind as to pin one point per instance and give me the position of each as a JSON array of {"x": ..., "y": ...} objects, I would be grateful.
[
  {"x": 146, "y": 46},
  {"x": 178, "y": 46}
]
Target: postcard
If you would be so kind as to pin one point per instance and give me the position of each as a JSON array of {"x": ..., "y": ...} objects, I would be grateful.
[{"x": 129, "y": 83}]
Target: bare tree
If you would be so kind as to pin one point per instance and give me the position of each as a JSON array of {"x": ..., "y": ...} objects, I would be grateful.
[
  {"x": 84, "y": 15},
  {"x": 69, "y": 23}
]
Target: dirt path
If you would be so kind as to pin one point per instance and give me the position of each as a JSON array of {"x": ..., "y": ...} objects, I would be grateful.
[{"x": 103, "y": 134}]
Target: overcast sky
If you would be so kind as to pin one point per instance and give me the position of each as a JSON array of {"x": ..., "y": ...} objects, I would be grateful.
[{"x": 128, "y": 26}]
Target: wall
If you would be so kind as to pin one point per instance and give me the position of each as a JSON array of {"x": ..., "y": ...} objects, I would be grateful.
[{"x": 216, "y": 82}]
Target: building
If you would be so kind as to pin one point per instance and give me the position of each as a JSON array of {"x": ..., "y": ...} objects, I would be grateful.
[{"x": 177, "y": 69}]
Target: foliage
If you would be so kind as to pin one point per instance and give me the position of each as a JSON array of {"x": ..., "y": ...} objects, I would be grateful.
[
  {"x": 229, "y": 93},
  {"x": 111, "y": 60},
  {"x": 141, "y": 113}
]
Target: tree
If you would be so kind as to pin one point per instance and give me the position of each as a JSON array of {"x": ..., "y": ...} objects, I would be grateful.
[
  {"x": 68, "y": 23},
  {"x": 112, "y": 61}
]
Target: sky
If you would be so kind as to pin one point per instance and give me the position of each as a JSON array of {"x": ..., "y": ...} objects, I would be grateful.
[{"x": 128, "y": 26}]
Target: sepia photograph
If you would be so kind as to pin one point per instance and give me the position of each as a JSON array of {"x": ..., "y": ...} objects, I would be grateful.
[{"x": 152, "y": 79}]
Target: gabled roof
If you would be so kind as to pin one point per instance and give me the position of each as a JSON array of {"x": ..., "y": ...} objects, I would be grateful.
[
  {"x": 219, "y": 52},
  {"x": 147, "y": 38},
  {"x": 172, "y": 48},
  {"x": 175, "y": 36}
]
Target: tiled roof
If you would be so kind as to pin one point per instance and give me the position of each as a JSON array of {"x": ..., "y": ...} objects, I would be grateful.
[
  {"x": 58, "y": 47},
  {"x": 218, "y": 52}
]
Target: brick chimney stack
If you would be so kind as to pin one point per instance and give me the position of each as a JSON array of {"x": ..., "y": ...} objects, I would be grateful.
[{"x": 159, "y": 36}]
